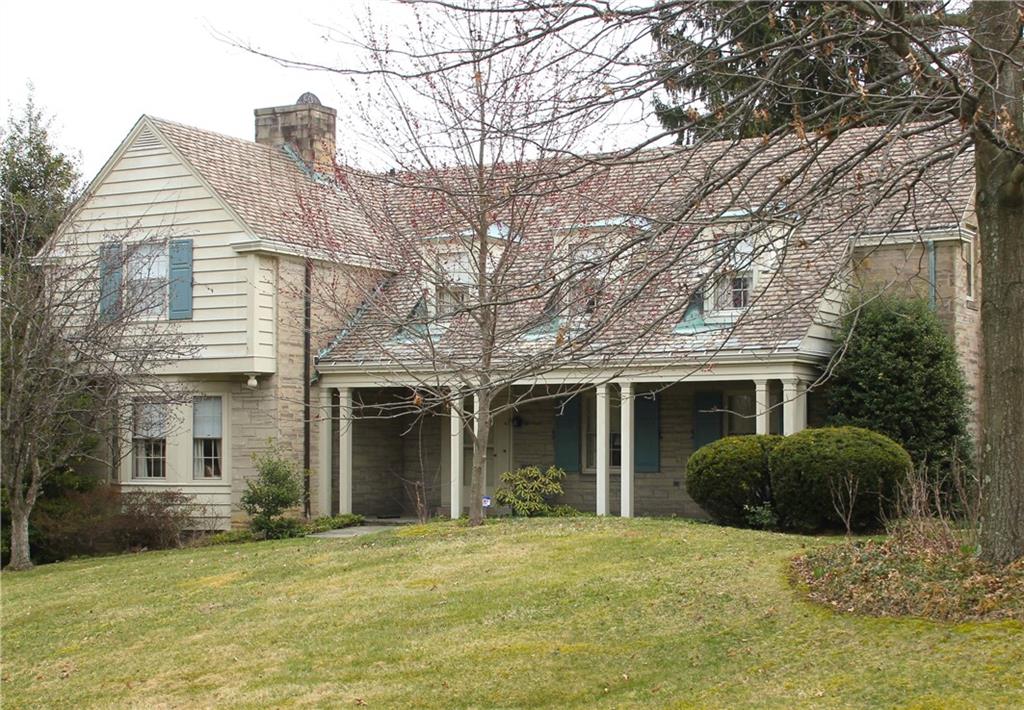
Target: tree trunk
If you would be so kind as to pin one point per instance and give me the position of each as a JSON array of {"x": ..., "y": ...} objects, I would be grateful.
[
  {"x": 999, "y": 178},
  {"x": 20, "y": 559},
  {"x": 480, "y": 444}
]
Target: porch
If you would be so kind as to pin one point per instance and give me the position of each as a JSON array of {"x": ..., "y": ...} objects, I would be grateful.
[{"x": 623, "y": 444}]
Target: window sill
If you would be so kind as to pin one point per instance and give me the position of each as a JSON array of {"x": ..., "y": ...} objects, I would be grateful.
[{"x": 159, "y": 482}]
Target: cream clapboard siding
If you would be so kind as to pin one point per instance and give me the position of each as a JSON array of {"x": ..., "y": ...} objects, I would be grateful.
[
  {"x": 213, "y": 497},
  {"x": 149, "y": 191}
]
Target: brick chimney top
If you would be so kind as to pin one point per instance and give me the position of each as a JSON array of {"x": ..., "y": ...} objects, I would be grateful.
[{"x": 307, "y": 126}]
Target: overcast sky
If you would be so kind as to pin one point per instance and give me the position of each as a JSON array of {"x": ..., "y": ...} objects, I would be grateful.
[{"x": 97, "y": 66}]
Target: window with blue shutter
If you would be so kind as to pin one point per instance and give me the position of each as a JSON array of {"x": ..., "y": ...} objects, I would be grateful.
[
  {"x": 111, "y": 272},
  {"x": 180, "y": 281},
  {"x": 707, "y": 421},
  {"x": 647, "y": 433},
  {"x": 567, "y": 435}
]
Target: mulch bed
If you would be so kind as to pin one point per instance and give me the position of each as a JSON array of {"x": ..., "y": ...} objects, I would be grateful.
[{"x": 892, "y": 578}]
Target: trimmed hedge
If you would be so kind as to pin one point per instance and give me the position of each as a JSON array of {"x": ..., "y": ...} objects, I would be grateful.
[
  {"x": 806, "y": 467},
  {"x": 729, "y": 474}
]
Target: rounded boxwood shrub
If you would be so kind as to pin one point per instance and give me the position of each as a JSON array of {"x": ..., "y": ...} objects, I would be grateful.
[
  {"x": 815, "y": 469},
  {"x": 730, "y": 474}
]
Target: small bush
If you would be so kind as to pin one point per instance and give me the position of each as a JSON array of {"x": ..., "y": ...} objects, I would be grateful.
[
  {"x": 526, "y": 490},
  {"x": 276, "y": 488},
  {"x": 761, "y": 517},
  {"x": 811, "y": 469},
  {"x": 730, "y": 475},
  {"x": 106, "y": 519},
  {"x": 564, "y": 511},
  {"x": 334, "y": 522}
]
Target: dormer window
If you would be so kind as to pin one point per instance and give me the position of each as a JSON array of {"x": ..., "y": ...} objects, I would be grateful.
[
  {"x": 734, "y": 290},
  {"x": 451, "y": 298}
]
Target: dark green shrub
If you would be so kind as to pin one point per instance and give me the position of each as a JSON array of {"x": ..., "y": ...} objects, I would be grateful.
[
  {"x": 276, "y": 488},
  {"x": 730, "y": 475},
  {"x": 899, "y": 376},
  {"x": 527, "y": 489},
  {"x": 812, "y": 473}
]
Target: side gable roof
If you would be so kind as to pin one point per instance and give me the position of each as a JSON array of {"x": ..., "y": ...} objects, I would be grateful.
[{"x": 273, "y": 197}]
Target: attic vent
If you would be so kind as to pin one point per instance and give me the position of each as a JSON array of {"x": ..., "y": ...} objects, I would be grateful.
[{"x": 146, "y": 139}]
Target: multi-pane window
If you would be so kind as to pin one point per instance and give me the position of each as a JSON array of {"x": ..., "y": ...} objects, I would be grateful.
[
  {"x": 450, "y": 299},
  {"x": 146, "y": 283},
  {"x": 739, "y": 290},
  {"x": 589, "y": 431},
  {"x": 207, "y": 437},
  {"x": 149, "y": 440}
]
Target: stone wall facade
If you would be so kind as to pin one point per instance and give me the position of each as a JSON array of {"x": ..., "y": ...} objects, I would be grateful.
[{"x": 904, "y": 269}]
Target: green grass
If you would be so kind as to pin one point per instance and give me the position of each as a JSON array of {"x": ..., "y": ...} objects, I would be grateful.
[{"x": 555, "y": 612}]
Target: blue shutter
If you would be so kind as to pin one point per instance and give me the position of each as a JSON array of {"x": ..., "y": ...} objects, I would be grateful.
[
  {"x": 111, "y": 269},
  {"x": 180, "y": 299},
  {"x": 707, "y": 424},
  {"x": 567, "y": 435},
  {"x": 647, "y": 428}
]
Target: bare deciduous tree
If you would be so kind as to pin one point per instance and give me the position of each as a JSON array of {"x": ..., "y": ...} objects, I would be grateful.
[{"x": 75, "y": 354}]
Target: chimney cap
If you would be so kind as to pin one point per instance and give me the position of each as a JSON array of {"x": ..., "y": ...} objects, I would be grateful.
[{"x": 308, "y": 98}]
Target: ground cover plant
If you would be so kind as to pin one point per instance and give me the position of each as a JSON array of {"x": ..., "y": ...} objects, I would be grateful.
[{"x": 557, "y": 612}]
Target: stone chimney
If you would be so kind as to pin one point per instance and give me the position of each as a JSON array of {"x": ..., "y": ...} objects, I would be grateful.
[{"x": 307, "y": 126}]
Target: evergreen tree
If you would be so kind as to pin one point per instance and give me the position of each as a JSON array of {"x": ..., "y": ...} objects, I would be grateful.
[
  {"x": 38, "y": 182},
  {"x": 784, "y": 63},
  {"x": 899, "y": 376}
]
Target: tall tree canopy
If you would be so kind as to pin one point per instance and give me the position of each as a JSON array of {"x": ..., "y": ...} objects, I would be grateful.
[
  {"x": 780, "y": 63},
  {"x": 39, "y": 182}
]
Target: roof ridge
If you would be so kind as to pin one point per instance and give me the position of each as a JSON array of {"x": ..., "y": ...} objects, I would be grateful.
[{"x": 207, "y": 131}]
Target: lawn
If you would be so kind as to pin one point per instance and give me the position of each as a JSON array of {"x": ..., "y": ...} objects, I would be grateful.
[{"x": 557, "y": 612}]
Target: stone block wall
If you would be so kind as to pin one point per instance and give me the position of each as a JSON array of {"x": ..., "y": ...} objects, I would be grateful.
[
  {"x": 662, "y": 493},
  {"x": 903, "y": 269}
]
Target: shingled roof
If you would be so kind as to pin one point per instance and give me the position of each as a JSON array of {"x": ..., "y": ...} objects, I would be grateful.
[
  {"x": 876, "y": 182},
  {"x": 276, "y": 196}
]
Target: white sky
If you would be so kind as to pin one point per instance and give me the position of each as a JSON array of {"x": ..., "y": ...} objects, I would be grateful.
[{"x": 97, "y": 66}]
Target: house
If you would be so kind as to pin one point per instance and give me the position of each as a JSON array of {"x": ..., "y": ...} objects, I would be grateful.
[{"x": 322, "y": 300}]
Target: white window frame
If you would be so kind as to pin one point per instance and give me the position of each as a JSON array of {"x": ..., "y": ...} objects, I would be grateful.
[
  {"x": 160, "y": 255},
  {"x": 150, "y": 450},
  {"x": 199, "y": 456},
  {"x": 971, "y": 285},
  {"x": 588, "y": 406}
]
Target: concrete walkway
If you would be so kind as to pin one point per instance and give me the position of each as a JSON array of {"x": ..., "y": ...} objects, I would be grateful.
[{"x": 354, "y": 531}]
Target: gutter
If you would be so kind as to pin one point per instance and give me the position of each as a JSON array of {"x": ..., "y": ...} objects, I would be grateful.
[
  {"x": 933, "y": 287},
  {"x": 306, "y": 383}
]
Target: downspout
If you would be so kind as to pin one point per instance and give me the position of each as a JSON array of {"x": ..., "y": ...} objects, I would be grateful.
[
  {"x": 933, "y": 287},
  {"x": 306, "y": 384}
]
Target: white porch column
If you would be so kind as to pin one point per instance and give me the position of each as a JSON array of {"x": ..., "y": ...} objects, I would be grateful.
[
  {"x": 761, "y": 404},
  {"x": 345, "y": 425},
  {"x": 455, "y": 457},
  {"x": 324, "y": 480},
  {"x": 626, "y": 439},
  {"x": 604, "y": 455},
  {"x": 794, "y": 405}
]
